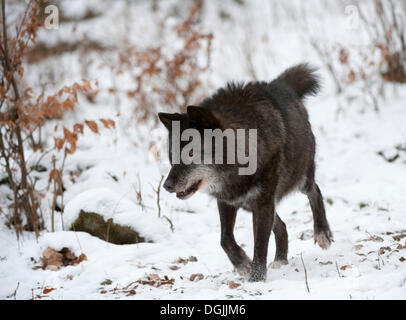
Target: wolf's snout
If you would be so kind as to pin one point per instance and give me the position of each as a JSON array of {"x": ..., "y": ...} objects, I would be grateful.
[{"x": 169, "y": 185}]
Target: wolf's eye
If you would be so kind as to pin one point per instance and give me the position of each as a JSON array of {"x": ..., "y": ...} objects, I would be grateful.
[{"x": 191, "y": 153}]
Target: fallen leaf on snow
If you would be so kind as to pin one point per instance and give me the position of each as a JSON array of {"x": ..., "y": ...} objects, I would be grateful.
[
  {"x": 382, "y": 250},
  {"x": 233, "y": 285},
  {"x": 53, "y": 260},
  {"x": 196, "y": 276},
  {"x": 164, "y": 282},
  {"x": 358, "y": 247},
  {"x": 185, "y": 261},
  {"x": 155, "y": 280},
  {"x": 131, "y": 292},
  {"x": 180, "y": 260},
  {"x": 400, "y": 247},
  {"x": 399, "y": 236},
  {"x": 174, "y": 267},
  {"x": 48, "y": 290},
  {"x": 52, "y": 257},
  {"x": 81, "y": 258},
  {"x": 154, "y": 277},
  {"x": 345, "y": 267}
]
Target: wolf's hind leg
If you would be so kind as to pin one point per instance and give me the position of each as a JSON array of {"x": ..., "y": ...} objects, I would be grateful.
[
  {"x": 322, "y": 233},
  {"x": 281, "y": 241},
  {"x": 234, "y": 252}
]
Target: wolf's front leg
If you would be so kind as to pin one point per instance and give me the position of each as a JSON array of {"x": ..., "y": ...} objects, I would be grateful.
[
  {"x": 234, "y": 252},
  {"x": 263, "y": 217}
]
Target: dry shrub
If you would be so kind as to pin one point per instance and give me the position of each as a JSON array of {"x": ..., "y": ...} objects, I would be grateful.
[
  {"x": 165, "y": 77},
  {"x": 369, "y": 68},
  {"x": 22, "y": 113},
  {"x": 388, "y": 36}
]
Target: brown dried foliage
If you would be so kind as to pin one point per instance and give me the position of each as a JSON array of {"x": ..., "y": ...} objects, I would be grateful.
[
  {"x": 21, "y": 115},
  {"x": 162, "y": 79},
  {"x": 381, "y": 61}
]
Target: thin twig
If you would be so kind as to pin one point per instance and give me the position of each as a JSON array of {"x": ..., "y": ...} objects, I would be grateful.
[
  {"x": 338, "y": 270},
  {"x": 14, "y": 294},
  {"x": 28, "y": 199},
  {"x": 305, "y": 273},
  {"x": 109, "y": 222},
  {"x": 61, "y": 188},
  {"x": 158, "y": 192},
  {"x": 54, "y": 195},
  {"x": 170, "y": 223}
]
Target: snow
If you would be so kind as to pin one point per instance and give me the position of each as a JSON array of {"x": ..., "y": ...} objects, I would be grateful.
[
  {"x": 109, "y": 204},
  {"x": 364, "y": 194}
]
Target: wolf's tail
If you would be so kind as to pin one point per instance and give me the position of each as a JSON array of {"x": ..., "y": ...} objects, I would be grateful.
[{"x": 302, "y": 79}]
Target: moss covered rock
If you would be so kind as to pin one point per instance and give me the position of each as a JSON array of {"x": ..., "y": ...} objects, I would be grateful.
[{"x": 109, "y": 231}]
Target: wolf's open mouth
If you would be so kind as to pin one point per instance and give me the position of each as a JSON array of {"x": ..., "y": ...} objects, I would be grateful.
[{"x": 189, "y": 191}]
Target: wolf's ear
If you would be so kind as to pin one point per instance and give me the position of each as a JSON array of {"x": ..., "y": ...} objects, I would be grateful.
[
  {"x": 167, "y": 118},
  {"x": 202, "y": 117}
]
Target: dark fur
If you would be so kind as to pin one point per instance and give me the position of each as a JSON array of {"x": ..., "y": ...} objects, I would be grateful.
[{"x": 286, "y": 149}]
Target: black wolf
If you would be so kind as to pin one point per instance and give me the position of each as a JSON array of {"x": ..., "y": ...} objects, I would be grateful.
[{"x": 285, "y": 162}]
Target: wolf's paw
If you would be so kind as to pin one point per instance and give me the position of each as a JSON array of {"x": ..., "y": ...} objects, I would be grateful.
[
  {"x": 257, "y": 276},
  {"x": 278, "y": 263},
  {"x": 258, "y": 273},
  {"x": 323, "y": 238}
]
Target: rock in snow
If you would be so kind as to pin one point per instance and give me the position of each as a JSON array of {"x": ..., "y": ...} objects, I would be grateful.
[{"x": 109, "y": 216}]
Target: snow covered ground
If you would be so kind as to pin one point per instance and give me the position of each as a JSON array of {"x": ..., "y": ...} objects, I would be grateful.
[{"x": 364, "y": 197}]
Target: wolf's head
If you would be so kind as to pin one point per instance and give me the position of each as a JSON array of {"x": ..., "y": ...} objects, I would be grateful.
[{"x": 192, "y": 160}]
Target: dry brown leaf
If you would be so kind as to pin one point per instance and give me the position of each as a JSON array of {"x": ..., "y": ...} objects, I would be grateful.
[
  {"x": 108, "y": 123},
  {"x": 81, "y": 258},
  {"x": 233, "y": 285},
  {"x": 154, "y": 277},
  {"x": 131, "y": 292},
  {"x": 48, "y": 290},
  {"x": 181, "y": 260},
  {"x": 399, "y": 236},
  {"x": 78, "y": 128},
  {"x": 167, "y": 281},
  {"x": 345, "y": 267},
  {"x": 174, "y": 267},
  {"x": 52, "y": 258},
  {"x": 59, "y": 143},
  {"x": 196, "y": 276},
  {"x": 68, "y": 254},
  {"x": 382, "y": 250},
  {"x": 92, "y": 126}
]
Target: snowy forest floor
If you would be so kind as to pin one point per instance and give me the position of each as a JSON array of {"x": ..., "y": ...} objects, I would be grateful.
[
  {"x": 364, "y": 196},
  {"x": 364, "y": 208}
]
